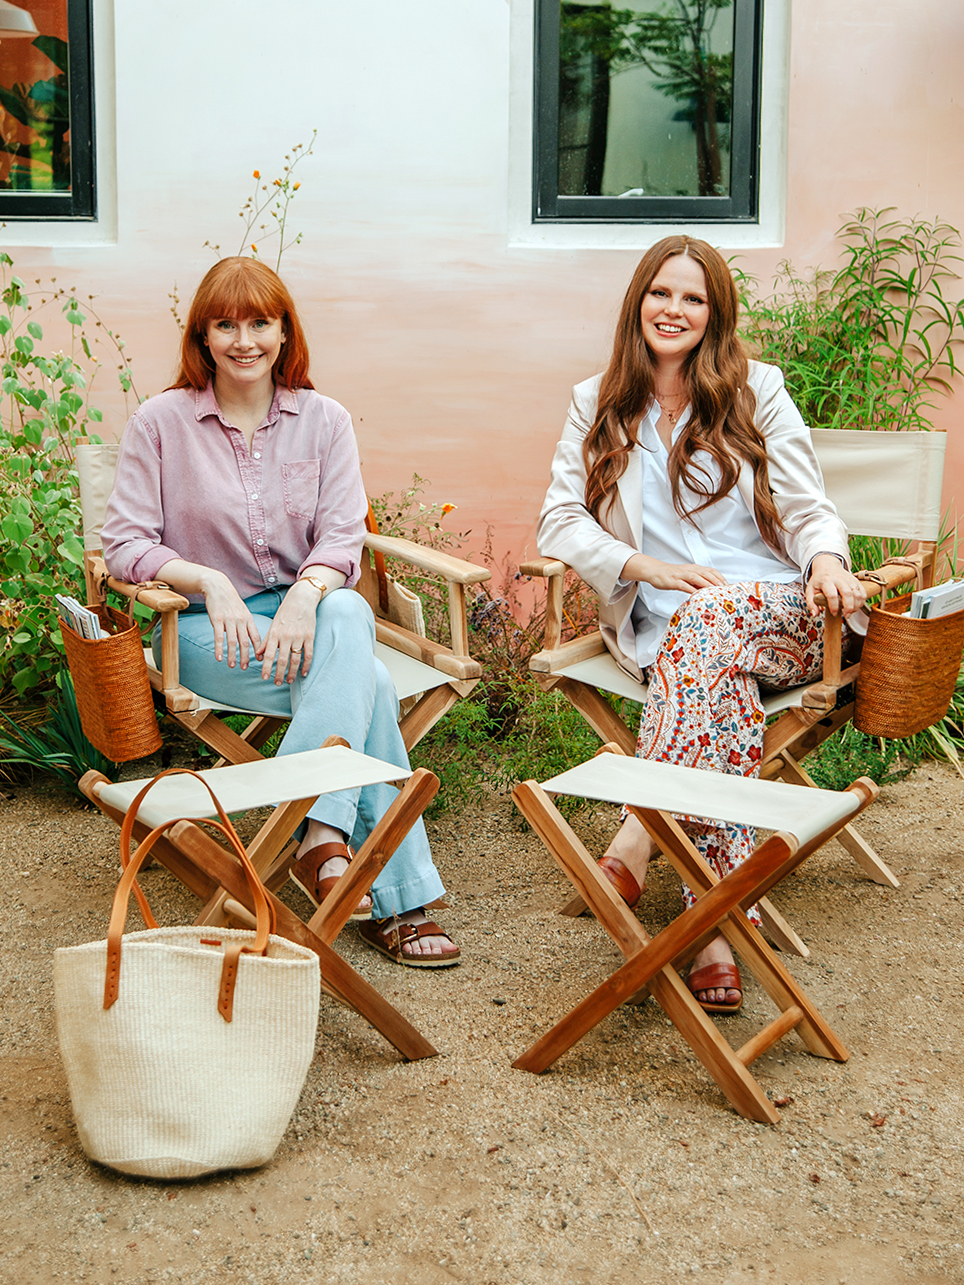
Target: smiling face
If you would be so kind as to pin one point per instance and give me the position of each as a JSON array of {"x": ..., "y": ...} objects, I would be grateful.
[
  {"x": 244, "y": 351},
  {"x": 675, "y": 311}
]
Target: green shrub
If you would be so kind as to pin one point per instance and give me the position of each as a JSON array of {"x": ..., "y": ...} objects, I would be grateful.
[
  {"x": 869, "y": 344},
  {"x": 45, "y": 411}
]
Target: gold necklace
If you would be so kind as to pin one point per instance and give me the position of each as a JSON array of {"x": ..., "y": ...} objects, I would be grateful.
[{"x": 681, "y": 400}]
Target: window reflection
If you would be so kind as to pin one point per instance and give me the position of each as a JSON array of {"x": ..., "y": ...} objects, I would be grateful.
[
  {"x": 645, "y": 98},
  {"x": 35, "y": 104}
]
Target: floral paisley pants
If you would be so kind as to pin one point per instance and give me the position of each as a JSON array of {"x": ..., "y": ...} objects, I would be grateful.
[{"x": 704, "y": 708}]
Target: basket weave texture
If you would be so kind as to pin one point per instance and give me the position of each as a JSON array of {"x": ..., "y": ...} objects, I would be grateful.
[
  {"x": 113, "y": 690},
  {"x": 908, "y": 669}
]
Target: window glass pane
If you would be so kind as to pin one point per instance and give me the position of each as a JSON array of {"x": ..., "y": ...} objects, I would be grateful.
[
  {"x": 644, "y": 98},
  {"x": 35, "y": 102}
]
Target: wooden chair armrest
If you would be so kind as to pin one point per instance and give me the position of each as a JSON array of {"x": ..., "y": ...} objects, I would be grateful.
[
  {"x": 553, "y": 659},
  {"x": 456, "y": 570},
  {"x": 154, "y": 599},
  {"x": 546, "y": 567}
]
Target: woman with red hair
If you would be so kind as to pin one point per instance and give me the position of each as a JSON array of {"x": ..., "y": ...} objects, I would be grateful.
[
  {"x": 240, "y": 488},
  {"x": 686, "y": 492}
]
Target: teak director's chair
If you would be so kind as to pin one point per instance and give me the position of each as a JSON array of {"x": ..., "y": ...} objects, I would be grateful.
[
  {"x": 213, "y": 873},
  {"x": 803, "y": 819},
  {"x": 429, "y": 678},
  {"x": 885, "y": 485}
]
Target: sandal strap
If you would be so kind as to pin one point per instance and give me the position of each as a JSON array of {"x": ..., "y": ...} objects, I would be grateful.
[
  {"x": 713, "y": 977},
  {"x": 396, "y": 935}
]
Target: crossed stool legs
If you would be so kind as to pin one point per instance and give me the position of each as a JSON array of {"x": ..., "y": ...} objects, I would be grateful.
[{"x": 803, "y": 820}]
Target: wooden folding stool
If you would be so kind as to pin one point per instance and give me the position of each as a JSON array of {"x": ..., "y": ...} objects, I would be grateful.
[
  {"x": 213, "y": 874},
  {"x": 803, "y": 820}
]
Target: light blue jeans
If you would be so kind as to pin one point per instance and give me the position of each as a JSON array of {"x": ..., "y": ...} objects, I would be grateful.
[{"x": 347, "y": 693}]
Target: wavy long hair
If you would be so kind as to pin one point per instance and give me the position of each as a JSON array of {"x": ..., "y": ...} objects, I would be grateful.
[
  {"x": 241, "y": 288},
  {"x": 715, "y": 374}
]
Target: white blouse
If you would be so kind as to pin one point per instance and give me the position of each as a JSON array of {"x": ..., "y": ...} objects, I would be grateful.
[{"x": 724, "y": 536}]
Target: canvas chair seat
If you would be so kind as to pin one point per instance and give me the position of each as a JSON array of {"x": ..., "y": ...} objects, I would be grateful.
[
  {"x": 604, "y": 672},
  {"x": 802, "y": 819},
  {"x": 410, "y": 678}
]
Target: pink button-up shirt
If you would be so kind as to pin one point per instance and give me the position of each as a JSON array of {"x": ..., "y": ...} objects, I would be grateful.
[{"x": 187, "y": 487}]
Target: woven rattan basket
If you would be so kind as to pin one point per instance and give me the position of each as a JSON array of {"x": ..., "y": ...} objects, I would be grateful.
[
  {"x": 908, "y": 669},
  {"x": 112, "y": 687}
]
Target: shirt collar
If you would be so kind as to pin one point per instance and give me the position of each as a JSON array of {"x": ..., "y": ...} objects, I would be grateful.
[{"x": 285, "y": 399}]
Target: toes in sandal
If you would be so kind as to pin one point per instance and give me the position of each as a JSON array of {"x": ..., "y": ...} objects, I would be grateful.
[
  {"x": 621, "y": 880},
  {"x": 389, "y": 936},
  {"x": 716, "y": 977},
  {"x": 304, "y": 875}
]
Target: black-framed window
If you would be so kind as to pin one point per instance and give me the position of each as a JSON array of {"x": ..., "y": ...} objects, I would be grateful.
[
  {"x": 47, "y": 114},
  {"x": 647, "y": 111}
]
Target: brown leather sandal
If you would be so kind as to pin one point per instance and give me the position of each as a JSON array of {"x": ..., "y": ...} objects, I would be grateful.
[
  {"x": 304, "y": 875},
  {"x": 716, "y": 977},
  {"x": 620, "y": 878},
  {"x": 389, "y": 936}
]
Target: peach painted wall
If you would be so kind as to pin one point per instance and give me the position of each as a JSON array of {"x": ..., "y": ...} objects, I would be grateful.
[{"x": 454, "y": 351}]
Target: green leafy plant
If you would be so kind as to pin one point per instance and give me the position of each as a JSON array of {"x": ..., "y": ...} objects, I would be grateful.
[
  {"x": 45, "y": 409},
  {"x": 57, "y": 748},
  {"x": 871, "y": 343}
]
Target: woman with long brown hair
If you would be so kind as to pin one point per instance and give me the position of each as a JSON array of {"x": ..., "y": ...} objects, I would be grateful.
[
  {"x": 686, "y": 492},
  {"x": 239, "y": 486}
]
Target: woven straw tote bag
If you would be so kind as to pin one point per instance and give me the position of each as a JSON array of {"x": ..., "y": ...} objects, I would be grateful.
[
  {"x": 185, "y": 1048},
  {"x": 908, "y": 668},
  {"x": 112, "y": 688}
]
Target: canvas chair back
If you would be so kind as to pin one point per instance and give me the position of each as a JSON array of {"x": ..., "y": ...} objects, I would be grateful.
[{"x": 884, "y": 484}]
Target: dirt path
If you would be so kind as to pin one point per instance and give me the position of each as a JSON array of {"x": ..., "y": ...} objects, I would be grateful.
[{"x": 623, "y": 1163}]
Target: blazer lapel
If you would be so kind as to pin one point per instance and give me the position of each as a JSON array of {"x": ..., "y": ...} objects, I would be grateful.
[{"x": 630, "y": 489}]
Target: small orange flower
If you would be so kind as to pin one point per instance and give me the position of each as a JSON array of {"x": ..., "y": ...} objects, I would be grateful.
[
  {"x": 277, "y": 182},
  {"x": 254, "y": 248},
  {"x": 256, "y": 174},
  {"x": 447, "y": 508},
  {"x": 296, "y": 186}
]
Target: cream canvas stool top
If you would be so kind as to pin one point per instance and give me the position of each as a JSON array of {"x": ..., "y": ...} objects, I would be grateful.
[
  {"x": 803, "y": 819},
  {"x": 289, "y": 785}
]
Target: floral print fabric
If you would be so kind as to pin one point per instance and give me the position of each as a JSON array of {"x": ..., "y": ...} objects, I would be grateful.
[{"x": 704, "y": 708}]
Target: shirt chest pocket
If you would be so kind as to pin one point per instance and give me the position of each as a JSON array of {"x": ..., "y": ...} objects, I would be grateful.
[{"x": 301, "y": 482}]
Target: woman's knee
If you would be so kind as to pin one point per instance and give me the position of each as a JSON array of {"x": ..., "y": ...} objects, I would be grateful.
[{"x": 347, "y": 616}]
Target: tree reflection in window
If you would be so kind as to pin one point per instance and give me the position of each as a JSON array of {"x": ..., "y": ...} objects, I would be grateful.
[{"x": 645, "y": 99}]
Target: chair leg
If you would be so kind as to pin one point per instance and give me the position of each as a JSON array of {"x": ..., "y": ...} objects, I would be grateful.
[
  {"x": 794, "y": 773},
  {"x": 207, "y": 727},
  {"x": 374, "y": 854},
  {"x": 339, "y": 979}
]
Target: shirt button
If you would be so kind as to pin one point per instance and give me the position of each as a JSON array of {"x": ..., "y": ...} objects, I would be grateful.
[
  {"x": 272, "y": 579},
  {"x": 257, "y": 455},
  {"x": 254, "y": 495},
  {"x": 260, "y": 542}
]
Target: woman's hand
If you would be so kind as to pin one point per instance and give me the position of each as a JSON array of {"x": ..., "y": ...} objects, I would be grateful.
[
  {"x": 843, "y": 591},
  {"x": 291, "y": 638},
  {"x": 683, "y": 577},
  {"x": 235, "y": 632}
]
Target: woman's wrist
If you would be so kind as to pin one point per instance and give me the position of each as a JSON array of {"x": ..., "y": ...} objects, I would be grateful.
[{"x": 316, "y": 583}]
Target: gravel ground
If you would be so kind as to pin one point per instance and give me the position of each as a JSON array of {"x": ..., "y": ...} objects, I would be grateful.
[{"x": 623, "y": 1162}]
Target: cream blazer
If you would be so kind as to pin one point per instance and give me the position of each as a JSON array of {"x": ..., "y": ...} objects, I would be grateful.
[{"x": 598, "y": 552}]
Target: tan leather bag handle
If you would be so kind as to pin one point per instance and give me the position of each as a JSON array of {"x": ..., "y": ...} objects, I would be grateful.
[{"x": 264, "y": 911}]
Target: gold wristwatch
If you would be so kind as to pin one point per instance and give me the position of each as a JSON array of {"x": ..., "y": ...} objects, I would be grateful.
[{"x": 314, "y": 582}]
